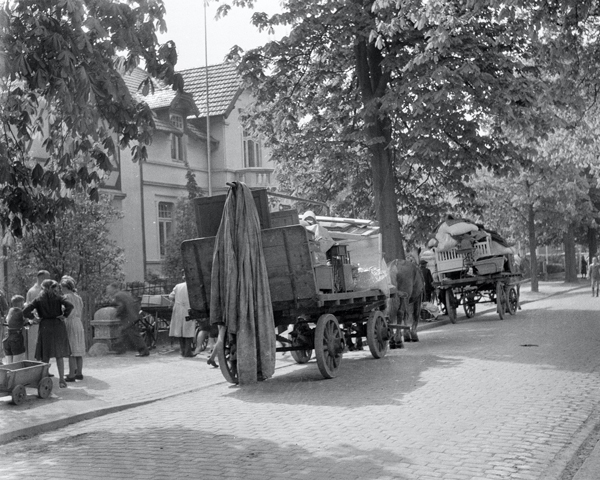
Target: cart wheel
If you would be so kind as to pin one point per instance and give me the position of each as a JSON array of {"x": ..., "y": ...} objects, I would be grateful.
[
  {"x": 299, "y": 356},
  {"x": 18, "y": 394},
  {"x": 500, "y": 300},
  {"x": 469, "y": 306},
  {"x": 451, "y": 305},
  {"x": 227, "y": 355},
  {"x": 329, "y": 345},
  {"x": 45, "y": 387},
  {"x": 377, "y": 334},
  {"x": 512, "y": 300},
  {"x": 148, "y": 329}
]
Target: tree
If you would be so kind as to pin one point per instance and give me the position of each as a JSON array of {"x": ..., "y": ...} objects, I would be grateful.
[
  {"x": 77, "y": 243},
  {"x": 380, "y": 98},
  {"x": 185, "y": 227},
  {"x": 61, "y": 66}
]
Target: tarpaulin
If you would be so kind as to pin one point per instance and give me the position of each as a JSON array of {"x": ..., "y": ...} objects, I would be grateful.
[{"x": 240, "y": 297}]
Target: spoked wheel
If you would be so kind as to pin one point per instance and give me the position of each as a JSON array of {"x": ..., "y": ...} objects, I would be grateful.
[
  {"x": 451, "y": 305},
  {"x": 512, "y": 300},
  {"x": 45, "y": 387},
  {"x": 18, "y": 394},
  {"x": 500, "y": 300},
  {"x": 227, "y": 355},
  {"x": 300, "y": 337},
  {"x": 148, "y": 329},
  {"x": 469, "y": 305},
  {"x": 329, "y": 345},
  {"x": 377, "y": 334}
]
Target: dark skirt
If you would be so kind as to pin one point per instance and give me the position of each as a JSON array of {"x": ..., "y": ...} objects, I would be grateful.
[{"x": 53, "y": 340}]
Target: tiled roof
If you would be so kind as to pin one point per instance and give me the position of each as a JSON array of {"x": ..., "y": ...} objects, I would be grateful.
[
  {"x": 163, "y": 94},
  {"x": 224, "y": 87}
]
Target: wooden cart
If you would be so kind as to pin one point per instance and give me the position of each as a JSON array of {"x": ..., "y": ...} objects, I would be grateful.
[
  {"x": 303, "y": 297},
  {"x": 15, "y": 377}
]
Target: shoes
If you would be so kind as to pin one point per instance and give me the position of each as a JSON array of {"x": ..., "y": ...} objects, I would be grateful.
[
  {"x": 78, "y": 377},
  {"x": 142, "y": 354},
  {"x": 69, "y": 379},
  {"x": 212, "y": 363},
  {"x": 62, "y": 384}
]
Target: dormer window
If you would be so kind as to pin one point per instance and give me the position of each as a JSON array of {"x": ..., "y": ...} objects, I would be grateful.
[{"x": 177, "y": 139}]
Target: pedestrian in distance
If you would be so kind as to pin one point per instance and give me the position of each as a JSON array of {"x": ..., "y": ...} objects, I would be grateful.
[
  {"x": 53, "y": 341},
  {"x": 32, "y": 331},
  {"x": 428, "y": 280},
  {"x": 180, "y": 328},
  {"x": 595, "y": 276},
  {"x": 3, "y": 311},
  {"x": 14, "y": 340},
  {"x": 127, "y": 312},
  {"x": 583, "y": 267},
  {"x": 75, "y": 329}
]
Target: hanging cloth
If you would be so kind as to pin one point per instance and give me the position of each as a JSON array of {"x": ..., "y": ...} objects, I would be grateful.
[{"x": 240, "y": 297}]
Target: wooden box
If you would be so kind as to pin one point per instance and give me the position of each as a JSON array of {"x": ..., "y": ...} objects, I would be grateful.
[
  {"x": 283, "y": 218},
  {"x": 209, "y": 211},
  {"x": 324, "y": 278}
]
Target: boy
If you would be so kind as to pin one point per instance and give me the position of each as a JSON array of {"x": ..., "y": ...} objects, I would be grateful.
[{"x": 13, "y": 343}]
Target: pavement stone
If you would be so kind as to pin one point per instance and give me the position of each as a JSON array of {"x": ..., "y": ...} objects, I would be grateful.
[{"x": 117, "y": 383}]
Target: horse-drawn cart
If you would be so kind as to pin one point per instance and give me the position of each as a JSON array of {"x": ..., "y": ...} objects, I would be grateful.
[
  {"x": 474, "y": 275},
  {"x": 304, "y": 298}
]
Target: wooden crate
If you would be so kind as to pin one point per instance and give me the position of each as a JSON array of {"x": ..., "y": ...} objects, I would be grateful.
[
  {"x": 209, "y": 211},
  {"x": 283, "y": 218}
]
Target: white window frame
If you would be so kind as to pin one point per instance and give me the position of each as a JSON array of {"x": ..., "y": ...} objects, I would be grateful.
[
  {"x": 166, "y": 225},
  {"x": 177, "y": 145},
  {"x": 252, "y": 150}
]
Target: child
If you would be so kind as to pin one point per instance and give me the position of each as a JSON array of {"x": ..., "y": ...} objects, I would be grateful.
[{"x": 14, "y": 343}]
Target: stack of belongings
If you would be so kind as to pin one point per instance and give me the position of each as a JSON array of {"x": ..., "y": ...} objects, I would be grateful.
[{"x": 468, "y": 245}]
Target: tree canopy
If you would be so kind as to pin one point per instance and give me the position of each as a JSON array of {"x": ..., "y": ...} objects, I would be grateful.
[
  {"x": 61, "y": 66},
  {"x": 388, "y": 108}
]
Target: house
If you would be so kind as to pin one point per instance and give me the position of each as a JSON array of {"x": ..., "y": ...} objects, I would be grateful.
[{"x": 147, "y": 192}]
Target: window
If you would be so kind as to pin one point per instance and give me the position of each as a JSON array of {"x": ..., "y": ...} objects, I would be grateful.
[
  {"x": 165, "y": 225},
  {"x": 252, "y": 152},
  {"x": 177, "y": 140}
]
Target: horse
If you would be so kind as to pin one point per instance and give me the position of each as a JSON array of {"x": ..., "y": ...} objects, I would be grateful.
[{"x": 406, "y": 276}]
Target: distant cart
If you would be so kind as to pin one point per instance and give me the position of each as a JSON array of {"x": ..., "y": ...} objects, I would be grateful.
[
  {"x": 15, "y": 377},
  {"x": 473, "y": 275}
]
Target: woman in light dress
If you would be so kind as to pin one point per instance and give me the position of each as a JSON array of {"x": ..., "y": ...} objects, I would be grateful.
[{"x": 74, "y": 329}]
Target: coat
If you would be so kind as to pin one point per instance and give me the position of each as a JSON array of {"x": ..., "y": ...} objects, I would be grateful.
[{"x": 180, "y": 327}]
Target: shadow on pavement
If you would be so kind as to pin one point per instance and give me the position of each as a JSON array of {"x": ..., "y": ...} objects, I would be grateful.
[
  {"x": 361, "y": 381},
  {"x": 197, "y": 454}
]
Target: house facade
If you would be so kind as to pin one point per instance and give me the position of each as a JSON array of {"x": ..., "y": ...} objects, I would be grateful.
[{"x": 147, "y": 192}]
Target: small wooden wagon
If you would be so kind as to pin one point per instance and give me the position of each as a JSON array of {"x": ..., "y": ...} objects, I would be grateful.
[
  {"x": 303, "y": 297},
  {"x": 15, "y": 377}
]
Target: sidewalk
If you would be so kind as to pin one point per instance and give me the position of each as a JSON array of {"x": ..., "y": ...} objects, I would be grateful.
[{"x": 115, "y": 383}]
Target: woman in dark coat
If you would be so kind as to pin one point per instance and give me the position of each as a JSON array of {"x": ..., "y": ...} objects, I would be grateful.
[{"x": 53, "y": 340}]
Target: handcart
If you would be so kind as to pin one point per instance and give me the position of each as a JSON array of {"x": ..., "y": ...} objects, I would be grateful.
[
  {"x": 15, "y": 377},
  {"x": 304, "y": 297}
]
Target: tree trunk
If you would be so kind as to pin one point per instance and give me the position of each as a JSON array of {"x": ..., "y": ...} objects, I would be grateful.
[
  {"x": 570, "y": 255},
  {"x": 373, "y": 82},
  {"x": 532, "y": 248},
  {"x": 593, "y": 243}
]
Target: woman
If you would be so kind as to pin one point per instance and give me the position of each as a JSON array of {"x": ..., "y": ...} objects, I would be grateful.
[
  {"x": 52, "y": 341},
  {"x": 75, "y": 330}
]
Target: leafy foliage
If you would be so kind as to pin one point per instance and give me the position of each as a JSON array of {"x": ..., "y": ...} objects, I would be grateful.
[
  {"x": 419, "y": 96},
  {"x": 61, "y": 65},
  {"x": 78, "y": 243}
]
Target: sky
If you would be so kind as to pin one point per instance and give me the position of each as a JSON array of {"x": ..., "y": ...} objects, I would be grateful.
[{"x": 185, "y": 24}]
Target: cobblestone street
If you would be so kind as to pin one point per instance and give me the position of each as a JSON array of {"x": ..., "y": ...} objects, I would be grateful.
[{"x": 484, "y": 399}]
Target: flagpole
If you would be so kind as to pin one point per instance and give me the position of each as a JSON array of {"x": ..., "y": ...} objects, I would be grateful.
[{"x": 207, "y": 105}]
